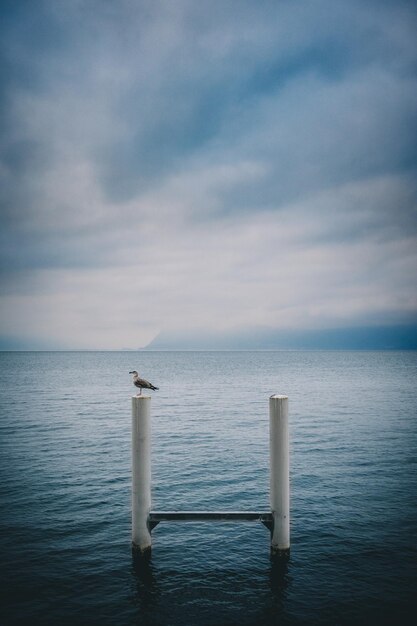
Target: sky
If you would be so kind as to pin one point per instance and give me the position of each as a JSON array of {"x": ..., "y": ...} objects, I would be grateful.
[{"x": 170, "y": 166}]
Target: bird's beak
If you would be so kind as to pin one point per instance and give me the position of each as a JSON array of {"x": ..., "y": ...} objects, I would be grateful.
[{"x": 130, "y": 372}]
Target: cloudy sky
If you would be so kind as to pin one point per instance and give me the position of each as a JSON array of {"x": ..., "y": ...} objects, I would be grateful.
[{"x": 173, "y": 165}]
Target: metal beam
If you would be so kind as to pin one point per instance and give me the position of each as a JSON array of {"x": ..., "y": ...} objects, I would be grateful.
[{"x": 210, "y": 516}]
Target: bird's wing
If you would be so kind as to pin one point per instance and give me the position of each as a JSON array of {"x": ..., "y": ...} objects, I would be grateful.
[{"x": 141, "y": 382}]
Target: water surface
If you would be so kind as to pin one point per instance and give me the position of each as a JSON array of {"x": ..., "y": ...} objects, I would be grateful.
[{"x": 66, "y": 478}]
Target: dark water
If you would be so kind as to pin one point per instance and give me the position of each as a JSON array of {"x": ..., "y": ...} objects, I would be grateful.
[{"x": 65, "y": 488}]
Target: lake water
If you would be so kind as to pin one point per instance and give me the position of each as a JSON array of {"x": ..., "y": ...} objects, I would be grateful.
[{"x": 65, "y": 488}]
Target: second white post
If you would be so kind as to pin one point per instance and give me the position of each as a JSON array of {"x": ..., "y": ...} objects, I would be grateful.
[
  {"x": 141, "y": 473},
  {"x": 279, "y": 474}
]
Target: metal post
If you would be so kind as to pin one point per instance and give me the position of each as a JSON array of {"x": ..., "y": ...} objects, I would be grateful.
[
  {"x": 279, "y": 474},
  {"x": 141, "y": 473}
]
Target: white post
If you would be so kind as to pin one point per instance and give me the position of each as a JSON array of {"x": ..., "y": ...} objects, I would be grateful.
[
  {"x": 141, "y": 473},
  {"x": 279, "y": 474}
]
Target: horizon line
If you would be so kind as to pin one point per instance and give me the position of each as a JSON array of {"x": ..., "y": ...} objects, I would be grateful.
[{"x": 394, "y": 349}]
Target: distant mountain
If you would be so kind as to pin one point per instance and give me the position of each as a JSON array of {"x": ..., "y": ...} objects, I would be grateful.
[{"x": 363, "y": 338}]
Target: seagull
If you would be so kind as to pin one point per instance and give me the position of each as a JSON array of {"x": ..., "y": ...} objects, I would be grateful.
[{"x": 142, "y": 383}]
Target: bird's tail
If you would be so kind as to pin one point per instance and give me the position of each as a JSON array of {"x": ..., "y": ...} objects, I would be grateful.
[{"x": 154, "y": 388}]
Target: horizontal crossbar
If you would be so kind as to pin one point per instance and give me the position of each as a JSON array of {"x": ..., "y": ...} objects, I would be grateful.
[{"x": 210, "y": 516}]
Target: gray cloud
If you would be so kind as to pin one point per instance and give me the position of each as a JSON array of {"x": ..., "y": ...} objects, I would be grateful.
[{"x": 222, "y": 164}]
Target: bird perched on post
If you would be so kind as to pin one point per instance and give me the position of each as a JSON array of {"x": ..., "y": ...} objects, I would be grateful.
[{"x": 141, "y": 383}]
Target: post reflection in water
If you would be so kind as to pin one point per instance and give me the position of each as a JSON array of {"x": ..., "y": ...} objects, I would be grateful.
[
  {"x": 278, "y": 573},
  {"x": 279, "y": 581},
  {"x": 146, "y": 591},
  {"x": 160, "y": 594}
]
